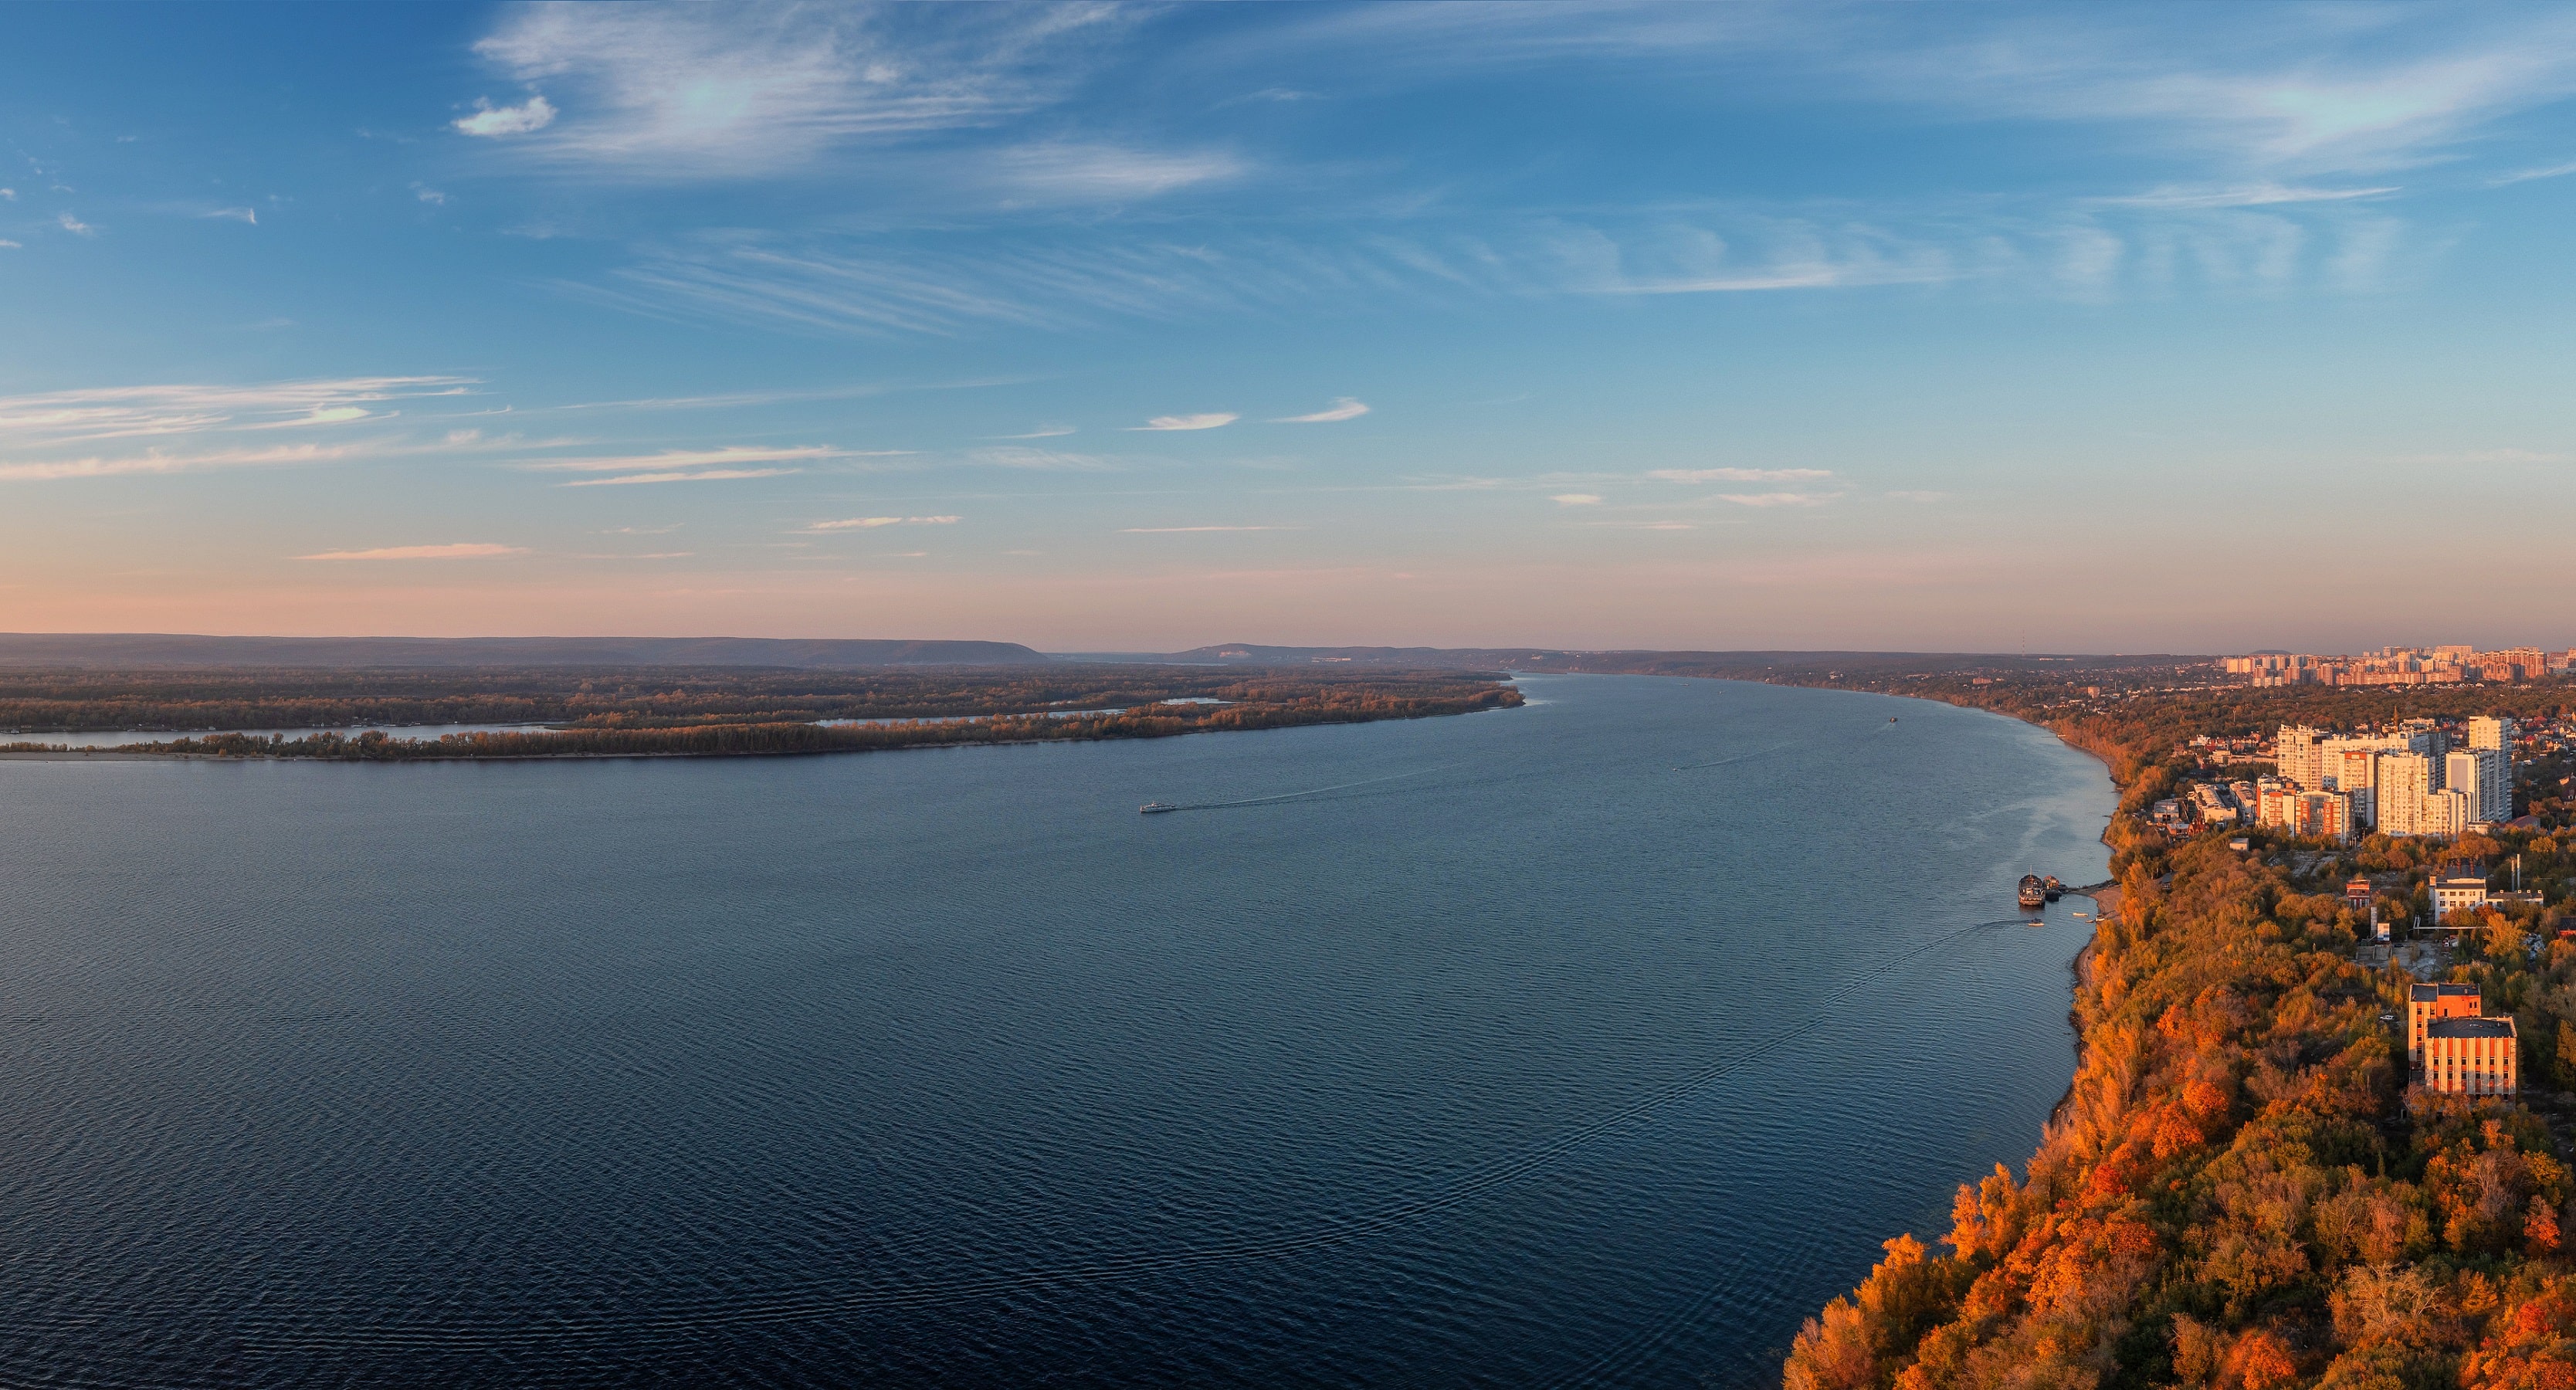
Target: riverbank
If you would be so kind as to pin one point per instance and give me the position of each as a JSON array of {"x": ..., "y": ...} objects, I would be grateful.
[
  {"x": 2237, "y": 1190},
  {"x": 1257, "y": 705}
]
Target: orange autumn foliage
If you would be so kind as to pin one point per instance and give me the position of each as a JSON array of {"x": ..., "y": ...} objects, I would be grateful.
[{"x": 2238, "y": 1192}]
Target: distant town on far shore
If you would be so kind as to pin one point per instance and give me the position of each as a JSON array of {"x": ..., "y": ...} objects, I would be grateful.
[{"x": 2401, "y": 666}]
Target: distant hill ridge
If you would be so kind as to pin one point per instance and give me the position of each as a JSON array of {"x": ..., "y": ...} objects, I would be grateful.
[{"x": 142, "y": 651}]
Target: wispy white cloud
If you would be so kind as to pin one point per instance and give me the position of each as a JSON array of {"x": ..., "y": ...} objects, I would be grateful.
[
  {"x": 492, "y": 122},
  {"x": 1063, "y": 172},
  {"x": 1779, "y": 499},
  {"x": 2547, "y": 171},
  {"x": 2254, "y": 195},
  {"x": 1343, "y": 408},
  {"x": 1920, "y": 496},
  {"x": 1183, "y": 530},
  {"x": 1209, "y": 421},
  {"x": 1061, "y": 280},
  {"x": 156, "y": 461},
  {"x": 729, "y": 456},
  {"x": 341, "y": 415},
  {"x": 1576, "y": 499},
  {"x": 870, "y": 523},
  {"x": 54, "y": 418},
  {"x": 429, "y": 195},
  {"x": 74, "y": 225},
  {"x": 1041, "y": 432},
  {"x": 1738, "y": 475},
  {"x": 1815, "y": 276},
  {"x": 1040, "y": 459},
  {"x": 2257, "y": 88},
  {"x": 707, "y": 475},
  {"x": 654, "y": 92},
  {"x": 11, "y": 245},
  {"x": 462, "y": 550},
  {"x": 734, "y": 400},
  {"x": 247, "y": 215}
]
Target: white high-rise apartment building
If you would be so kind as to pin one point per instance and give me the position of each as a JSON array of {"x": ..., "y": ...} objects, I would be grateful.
[
  {"x": 2345, "y": 765},
  {"x": 2296, "y": 752},
  {"x": 2492, "y": 733},
  {"x": 2428, "y": 738},
  {"x": 2446, "y": 813},
  {"x": 2402, "y": 781},
  {"x": 2485, "y": 777}
]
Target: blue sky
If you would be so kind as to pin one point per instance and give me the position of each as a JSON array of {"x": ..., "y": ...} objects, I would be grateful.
[{"x": 1984, "y": 327}]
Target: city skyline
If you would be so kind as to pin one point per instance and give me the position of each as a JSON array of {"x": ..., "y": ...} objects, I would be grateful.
[{"x": 1101, "y": 328}]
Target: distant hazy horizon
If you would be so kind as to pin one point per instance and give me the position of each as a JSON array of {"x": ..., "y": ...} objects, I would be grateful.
[{"x": 1997, "y": 328}]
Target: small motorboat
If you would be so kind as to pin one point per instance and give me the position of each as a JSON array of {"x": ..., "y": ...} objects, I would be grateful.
[{"x": 1156, "y": 808}]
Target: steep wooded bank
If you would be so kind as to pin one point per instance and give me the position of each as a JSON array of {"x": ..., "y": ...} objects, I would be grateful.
[{"x": 2237, "y": 1193}]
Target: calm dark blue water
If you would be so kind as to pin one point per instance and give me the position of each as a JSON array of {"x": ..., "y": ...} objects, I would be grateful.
[{"x": 1594, "y": 1042}]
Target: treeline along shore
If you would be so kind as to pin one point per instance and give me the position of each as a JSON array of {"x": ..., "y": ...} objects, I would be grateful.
[
  {"x": 703, "y": 712},
  {"x": 2243, "y": 1190}
]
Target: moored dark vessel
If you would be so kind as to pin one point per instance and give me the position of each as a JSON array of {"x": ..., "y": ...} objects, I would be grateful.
[
  {"x": 2055, "y": 886},
  {"x": 2033, "y": 892}
]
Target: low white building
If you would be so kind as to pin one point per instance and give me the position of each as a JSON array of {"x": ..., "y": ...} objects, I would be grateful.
[{"x": 2456, "y": 888}]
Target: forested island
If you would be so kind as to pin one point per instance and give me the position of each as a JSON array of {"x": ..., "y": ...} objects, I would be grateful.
[
  {"x": 2240, "y": 1189},
  {"x": 701, "y": 712}
]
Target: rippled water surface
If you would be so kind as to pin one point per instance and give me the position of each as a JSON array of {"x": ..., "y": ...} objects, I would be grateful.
[{"x": 1594, "y": 1042}]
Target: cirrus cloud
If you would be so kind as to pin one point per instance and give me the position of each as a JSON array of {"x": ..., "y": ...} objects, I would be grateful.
[
  {"x": 492, "y": 122},
  {"x": 704, "y": 475},
  {"x": 461, "y": 550},
  {"x": 1209, "y": 421},
  {"x": 672, "y": 459},
  {"x": 1343, "y": 408},
  {"x": 1779, "y": 499},
  {"x": 1739, "y": 475},
  {"x": 870, "y": 523},
  {"x": 662, "y": 93}
]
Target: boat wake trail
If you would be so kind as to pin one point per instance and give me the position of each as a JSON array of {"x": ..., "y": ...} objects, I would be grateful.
[
  {"x": 1308, "y": 794},
  {"x": 1874, "y": 731},
  {"x": 675, "y": 1323},
  {"x": 1738, "y": 758}
]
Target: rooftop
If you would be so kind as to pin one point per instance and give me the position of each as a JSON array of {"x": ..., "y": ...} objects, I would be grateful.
[
  {"x": 2471, "y": 1028},
  {"x": 2431, "y": 992}
]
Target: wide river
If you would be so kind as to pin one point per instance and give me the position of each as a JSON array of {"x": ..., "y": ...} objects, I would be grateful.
[{"x": 1591, "y": 1043}]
